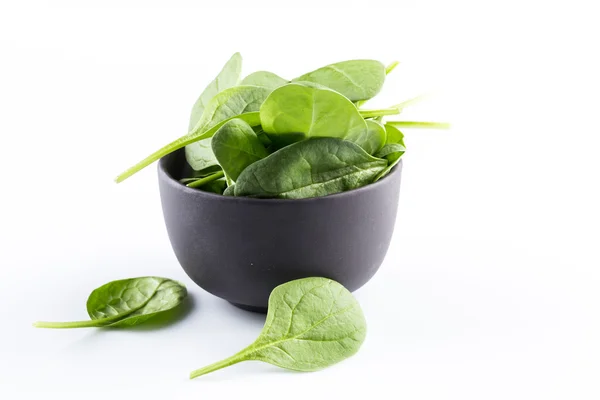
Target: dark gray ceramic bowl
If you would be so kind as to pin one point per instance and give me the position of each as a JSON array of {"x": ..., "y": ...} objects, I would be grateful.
[{"x": 240, "y": 248}]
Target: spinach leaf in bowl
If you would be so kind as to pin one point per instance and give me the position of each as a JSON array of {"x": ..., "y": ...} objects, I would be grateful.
[
  {"x": 355, "y": 79},
  {"x": 236, "y": 146},
  {"x": 311, "y": 168},
  {"x": 297, "y": 111},
  {"x": 264, "y": 79}
]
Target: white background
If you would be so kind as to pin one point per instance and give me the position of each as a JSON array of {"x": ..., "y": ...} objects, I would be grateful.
[{"x": 490, "y": 287}]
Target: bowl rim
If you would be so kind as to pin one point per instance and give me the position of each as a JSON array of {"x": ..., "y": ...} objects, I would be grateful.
[{"x": 166, "y": 176}]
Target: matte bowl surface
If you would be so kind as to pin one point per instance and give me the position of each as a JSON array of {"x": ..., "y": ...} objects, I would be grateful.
[{"x": 240, "y": 248}]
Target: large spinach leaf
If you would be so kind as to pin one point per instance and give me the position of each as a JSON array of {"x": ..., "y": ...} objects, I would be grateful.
[
  {"x": 236, "y": 146},
  {"x": 297, "y": 111},
  {"x": 127, "y": 302},
  {"x": 311, "y": 324},
  {"x": 311, "y": 168},
  {"x": 355, "y": 79}
]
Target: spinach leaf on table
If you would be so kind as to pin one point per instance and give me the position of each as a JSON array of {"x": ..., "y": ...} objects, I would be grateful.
[
  {"x": 264, "y": 79},
  {"x": 355, "y": 79},
  {"x": 311, "y": 324},
  {"x": 296, "y": 111},
  {"x": 311, "y": 168},
  {"x": 127, "y": 302},
  {"x": 236, "y": 146}
]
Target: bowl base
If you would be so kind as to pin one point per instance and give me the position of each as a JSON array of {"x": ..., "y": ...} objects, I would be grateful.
[{"x": 260, "y": 310}]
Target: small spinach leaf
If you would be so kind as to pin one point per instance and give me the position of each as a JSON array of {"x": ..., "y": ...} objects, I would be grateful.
[
  {"x": 392, "y": 151},
  {"x": 217, "y": 186},
  {"x": 127, "y": 302},
  {"x": 375, "y": 137},
  {"x": 311, "y": 168},
  {"x": 311, "y": 324},
  {"x": 355, "y": 79},
  {"x": 236, "y": 146},
  {"x": 230, "y": 191},
  {"x": 199, "y": 155},
  {"x": 296, "y": 111},
  {"x": 264, "y": 79},
  {"x": 393, "y": 135}
]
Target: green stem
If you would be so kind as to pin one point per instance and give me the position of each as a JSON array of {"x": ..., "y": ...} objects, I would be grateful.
[
  {"x": 234, "y": 359},
  {"x": 379, "y": 113},
  {"x": 94, "y": 323},
  {"x": 199, "y": 182},
  {"x": 391, "y": 67},
  {"x": 413, "y": 101},
  {"x": 418, "y": 124},
  {"x": 253, "y": 119}
]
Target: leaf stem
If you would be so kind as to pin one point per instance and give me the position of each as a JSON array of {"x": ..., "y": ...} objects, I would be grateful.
[
  {"x": 391, "y": 67},
  {"x": 379, "y": 113},
  {"x": 202, "y": 181},
  {"x": 253, "y": 119},
  {"x": 234, "y": 359},
  {"x": 419, "y": 124},
  {"x": 413, "y": 101},
  {"x": 66, "y": 325}
]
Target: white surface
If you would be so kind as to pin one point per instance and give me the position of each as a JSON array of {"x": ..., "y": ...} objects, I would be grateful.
[{"x": 490, "y": 288}]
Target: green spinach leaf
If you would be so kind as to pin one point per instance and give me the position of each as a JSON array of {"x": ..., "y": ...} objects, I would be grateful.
[
  {"x": 392, "y": 151},
  {"x": 393, "y": 135},
  {"x": 311, "y": 324},
  {"x": 230, "y": 191},
  {"x": 228, "y": 77},
  {"x": 264, "y": 79},
  {"x": 206, "y": 180},
  {"x": 355, "y": 79},
  {"x": 296, "y": 111},
  {"x": 127, "y": 302},
  {"x": 236, "y": 146},
  {"x": 226, "y": 104},
  {"x": 217, "y": 186},
  {"x": 311, "y": 168},
  {"x": 375, "y": 138},
  {"x": 252, "y": 118},
  {"x": 199, "y": 154}
]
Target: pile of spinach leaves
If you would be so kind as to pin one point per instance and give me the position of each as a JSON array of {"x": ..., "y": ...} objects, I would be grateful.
[{"x": 269, "y": 137}]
